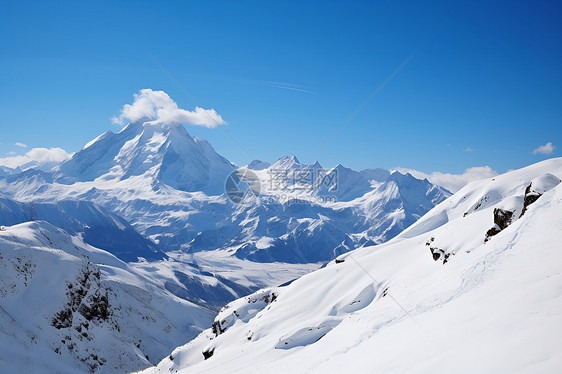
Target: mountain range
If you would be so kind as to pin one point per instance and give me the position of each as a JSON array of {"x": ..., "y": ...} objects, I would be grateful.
[
  {"x": 170, "y": 188},
  {"x": 148, "y": 245}
]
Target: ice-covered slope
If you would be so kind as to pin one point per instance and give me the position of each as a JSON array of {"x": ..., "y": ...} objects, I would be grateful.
[
  {"x": 473, "y": 286},
  {"x": 67, "y": 307}
]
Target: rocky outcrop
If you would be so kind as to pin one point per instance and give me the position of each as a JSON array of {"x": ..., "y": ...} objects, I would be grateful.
[
  {"x": 502, "y": 219},
  {"x": 530, "y": 197},
  {"x": 437, "y": 253}
]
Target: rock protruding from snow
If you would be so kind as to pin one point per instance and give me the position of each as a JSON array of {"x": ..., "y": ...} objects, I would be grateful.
[
  {"x": 502, "y": 219},
  {"x": 537, "y": 188}
]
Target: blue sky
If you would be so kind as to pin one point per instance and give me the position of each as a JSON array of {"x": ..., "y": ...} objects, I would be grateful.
[{"x": 483, "y": 85}]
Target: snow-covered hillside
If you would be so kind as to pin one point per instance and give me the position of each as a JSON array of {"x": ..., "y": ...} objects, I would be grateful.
[
  {"x": 473, "y": 286},
  {"x": 95, "y": 225},
  {"x": 67, "y": 307}
]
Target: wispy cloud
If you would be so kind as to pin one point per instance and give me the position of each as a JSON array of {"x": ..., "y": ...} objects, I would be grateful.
[
  {"x": 453, "y": 182},
  {"x": 285, "y": 86},
  {"x": 159, "y": 107},
  {"x": 468, "y": 149},
  {"x": 546, "y": 149},
  {"x": 18, "y": 144}
]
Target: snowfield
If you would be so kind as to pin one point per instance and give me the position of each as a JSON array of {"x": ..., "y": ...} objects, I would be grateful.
[{"x": 473, "y": 287}]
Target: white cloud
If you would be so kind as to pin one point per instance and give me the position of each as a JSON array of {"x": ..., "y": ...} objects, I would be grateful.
[
  {"x": 159, "y": 107},
  {"x": 20, "y": 145},
  {"x": 453, "y": 182},
  {"x": 468, "y": 149},
  {"x": 44, "y": 158},
  {"x": 546, "y": 149}
]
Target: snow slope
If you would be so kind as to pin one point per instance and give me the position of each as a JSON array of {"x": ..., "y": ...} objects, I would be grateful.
[
  {"x": 95, "y": 225},
  {"x": 67, "y": 307},
  {"x": 449, "y": 294}
]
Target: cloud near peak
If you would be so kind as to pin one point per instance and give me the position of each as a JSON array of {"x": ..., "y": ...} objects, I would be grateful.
[{"x": 159, "y": 107}]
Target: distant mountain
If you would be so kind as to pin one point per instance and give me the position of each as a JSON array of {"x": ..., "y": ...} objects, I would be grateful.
[
  {"x": 6, "y": 171},
  {"x": 151, "y": 151},
  {"x": 258, "y": 165},
  {"x": 94, "y": 224},
  {"x": 287, "y": 163},
  {"x": 463, "y": 289},
  {"x": 169, "y": 187}
]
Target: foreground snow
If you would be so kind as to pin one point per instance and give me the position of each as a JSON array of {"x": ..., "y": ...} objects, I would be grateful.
[
  {"x": 449, "y": 294},
  {"x": 68, "y": 307}
]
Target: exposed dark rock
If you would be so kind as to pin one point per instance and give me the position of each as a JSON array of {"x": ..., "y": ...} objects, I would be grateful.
[
  {"x": 86, "y": 297},
  {"x": 491, "y": 232},
  {"x": 208, "y": 353},
  {"x": 217, "y": 329},
  {"x": 502, "y": 219},
  {"x": 87, "y": 303},
  {"x": 530, "y": 197},
  {"x": 438, "y": 253},
  {"x": 338, "y": 261}
]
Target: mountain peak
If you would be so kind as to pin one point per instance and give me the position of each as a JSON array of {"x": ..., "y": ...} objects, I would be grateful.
[
  {"x": 258, "y": 165},
  {"x": 316, "y": 165},
  {"x": 152, "y": 150},
  {"x": 287, "y": 162}
]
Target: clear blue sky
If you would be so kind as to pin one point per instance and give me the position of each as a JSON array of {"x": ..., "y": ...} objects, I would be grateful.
[{"x": 484, "y": 75}]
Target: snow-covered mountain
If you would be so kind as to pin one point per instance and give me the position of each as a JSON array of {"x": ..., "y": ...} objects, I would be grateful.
[
  {"x": 67, "y": 307},
  {"x": 170, "y": 188},
  {"x": 6, "y": 171},
  {"x": 472, "y": 286},
  {"x": 157, "y": 180},
  {"x": 156, "y": 151},
  {"x": 95, "y": 225}
]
